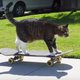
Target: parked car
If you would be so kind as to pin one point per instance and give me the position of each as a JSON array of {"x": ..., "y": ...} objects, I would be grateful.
[{"x": 20, "y": 6}]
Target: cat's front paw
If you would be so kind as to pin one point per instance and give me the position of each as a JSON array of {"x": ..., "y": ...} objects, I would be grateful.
[
  {"x": 58, "y": 51},
  {"x": 52, "y": 54}
]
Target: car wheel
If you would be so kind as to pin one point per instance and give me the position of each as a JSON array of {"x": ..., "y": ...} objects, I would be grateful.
[{"x": 19, "y": 9}]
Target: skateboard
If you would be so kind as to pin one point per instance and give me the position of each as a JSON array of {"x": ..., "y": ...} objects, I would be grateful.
[{"x": 18, "y": 56}]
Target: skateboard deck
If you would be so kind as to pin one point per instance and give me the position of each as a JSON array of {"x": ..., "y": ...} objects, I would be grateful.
[{"x": 13, "y": 52}]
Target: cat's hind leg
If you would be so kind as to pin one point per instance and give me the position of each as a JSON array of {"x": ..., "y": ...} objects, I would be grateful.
[
  {"x": 21, "y": 46},
  {"x": 17, "y": 42}
]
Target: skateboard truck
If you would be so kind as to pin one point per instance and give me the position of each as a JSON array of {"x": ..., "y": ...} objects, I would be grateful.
[{"x": 52, "y": 61}]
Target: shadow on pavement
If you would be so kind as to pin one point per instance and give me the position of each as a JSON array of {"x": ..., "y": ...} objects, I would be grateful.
[{"x": 36, "y": 69}]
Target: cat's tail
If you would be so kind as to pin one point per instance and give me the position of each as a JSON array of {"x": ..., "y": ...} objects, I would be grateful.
[{"x": 9, "y": 15}]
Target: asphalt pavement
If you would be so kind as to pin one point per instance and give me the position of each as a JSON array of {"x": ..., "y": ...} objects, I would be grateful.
[{"x": 35, "y": 68}]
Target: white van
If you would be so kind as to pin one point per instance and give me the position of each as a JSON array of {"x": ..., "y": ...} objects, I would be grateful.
[{"x": 19, "y": 6}]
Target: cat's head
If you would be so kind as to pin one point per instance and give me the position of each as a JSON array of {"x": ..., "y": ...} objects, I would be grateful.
[{"x": 64, "y": 31}]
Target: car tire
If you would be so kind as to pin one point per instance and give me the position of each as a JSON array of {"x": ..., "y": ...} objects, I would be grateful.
[{"x": 19, "y": 9}]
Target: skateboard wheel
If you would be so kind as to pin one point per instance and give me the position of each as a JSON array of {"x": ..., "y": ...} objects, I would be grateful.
[
  {"x": 59, "y": 59},
  {"x": 50, "y": 63},
  {"x": 20, "y": 58},
  {"x": 11, "y": 60}
]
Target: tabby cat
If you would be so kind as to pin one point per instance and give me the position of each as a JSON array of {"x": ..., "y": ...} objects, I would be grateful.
[{"x": 36, "y": 29}]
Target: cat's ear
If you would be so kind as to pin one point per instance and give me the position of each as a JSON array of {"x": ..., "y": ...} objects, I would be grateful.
[{"x": 66, "y": 25}]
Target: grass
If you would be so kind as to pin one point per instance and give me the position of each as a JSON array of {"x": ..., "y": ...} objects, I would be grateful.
[{"x": 8, "y": 33}]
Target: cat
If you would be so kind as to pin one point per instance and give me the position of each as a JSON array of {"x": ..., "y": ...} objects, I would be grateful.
[{"x": 36, "y": 29}]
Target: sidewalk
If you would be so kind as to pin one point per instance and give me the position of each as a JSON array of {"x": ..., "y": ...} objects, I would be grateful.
[{"x": 35, "y": 68}]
